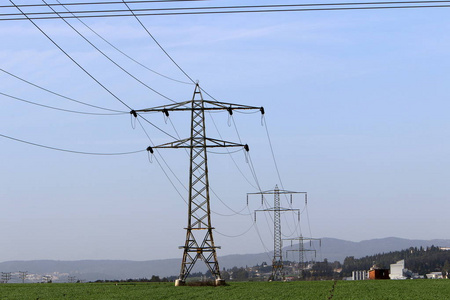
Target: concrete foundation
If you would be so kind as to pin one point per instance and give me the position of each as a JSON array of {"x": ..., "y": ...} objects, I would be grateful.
[
  {"x": 180, "y": 282},
  {"x": 220, "y": 282}
]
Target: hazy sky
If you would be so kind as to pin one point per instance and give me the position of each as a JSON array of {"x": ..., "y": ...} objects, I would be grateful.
[{"x": 356, "y": 107}]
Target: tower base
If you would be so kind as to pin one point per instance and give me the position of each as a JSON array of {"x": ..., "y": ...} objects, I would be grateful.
[
  {"x": 180, "y": 282},
  {"x": 220, "y": 282}
]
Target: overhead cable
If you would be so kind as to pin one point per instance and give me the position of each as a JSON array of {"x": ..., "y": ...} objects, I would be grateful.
[
  {"x": 71, "y": 58},
  {"x": 99, "y": 3},
  {"x": 168, "y": 167},
  {"x": 70, "y": 151},
  {"x": 235, "y": 9},
  {"x": 237, "y": 235},
  {"x": 123, "y": 53},
  {"x": 57, "y": 94},
  {"x": 107, "y": 57},
  {"x": 60, "y": 109},
  {"x": 157, "y": 43}
]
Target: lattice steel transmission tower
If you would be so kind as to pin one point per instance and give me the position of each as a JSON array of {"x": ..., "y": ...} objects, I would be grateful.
[
  {"x": 277, "y": 262},
  {"x": 199, "y": 242},
  {"x": 23, "y": 275},
  {"x": 301, "y": 249},
  {"x": 6, "y": 276}
]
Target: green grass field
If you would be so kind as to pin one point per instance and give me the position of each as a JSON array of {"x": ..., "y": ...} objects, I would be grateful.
[{"x": 361, "y": 290}]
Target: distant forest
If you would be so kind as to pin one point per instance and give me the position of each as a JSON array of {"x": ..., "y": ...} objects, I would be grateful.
[{"x": 418, "y": 260}]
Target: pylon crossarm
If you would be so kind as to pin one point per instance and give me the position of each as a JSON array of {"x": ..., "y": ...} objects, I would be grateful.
[
  {"x": 274, "y": 192},
  {"x": 217, "y": 105},
  {"x": 220, "y": 143},
  {"x": 183, "y": 106},
  {"x": 279, "y": 209},
  {"x": 301, "y": 239},
  {"x": 175, "y": 144},
  {"x": 199, "y": 249},
  {"x": 304, "y": 250},
  {"x": 185, "y": 143}
]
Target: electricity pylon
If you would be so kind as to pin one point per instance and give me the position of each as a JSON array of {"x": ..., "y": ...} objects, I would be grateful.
[
  {"x": 277, "y": 262},
  {"x": 6, "y": 276},
  {"x": 199, "y": 242},
  {"x": 23, "y": 275},
  {"x": 301, "y": 249}
]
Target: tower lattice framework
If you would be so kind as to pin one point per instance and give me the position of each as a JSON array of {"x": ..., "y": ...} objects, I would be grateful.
[
  {"x": 199, "y": 244},
  {"x": 301, "y": 249},
  {"x": 277, "y": 261}
]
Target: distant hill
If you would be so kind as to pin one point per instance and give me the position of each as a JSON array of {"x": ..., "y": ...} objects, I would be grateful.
[{"x": 89, "y": 270}]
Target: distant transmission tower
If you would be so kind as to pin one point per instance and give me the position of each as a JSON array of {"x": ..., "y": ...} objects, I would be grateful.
[
  {"x": 277, "y": 262},
  {"x": 301, "y": 249},
  {"x": 199, "y": 242},
  {"x": 23, "y": 275},
  {"x": 6, "y": 276}
]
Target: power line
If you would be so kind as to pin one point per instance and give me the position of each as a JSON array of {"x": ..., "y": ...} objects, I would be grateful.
[
  {"x": 279, "y": 177},
  {"x": 228, "y": 151},
  {"x": 235, "y": 236},
  {"x": 107, "y": 57},
  {"x": 123, "y": 53},
  {"x": 243, "y": 8},
  {"x": 70, "y": 151},
  {"x": 165, "y": 132},
  {"x": 70, "y": 57},
  {"x": 57, "y": 94},
  {"x": 157, "y": 43},
  {"x": 89, "y": 74},
  {"x": 168, "y": 167},
  {"x": 60, "y": 109},
  {"x": 98, "y": 3},
  {"x": 232, "y": 10}
]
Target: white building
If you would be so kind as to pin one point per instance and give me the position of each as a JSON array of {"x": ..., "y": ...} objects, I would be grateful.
[
  {"x": 360, "y": 275},
  {"x": 397, "y": 270},
  {"x": 435, "y": 275}
]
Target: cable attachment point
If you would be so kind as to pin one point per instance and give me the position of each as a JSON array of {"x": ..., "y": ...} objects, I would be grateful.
[
  {"x": 246, "y": 148},
  {"x": 133, "y": 121},
  {"x": 150, "y": 154},
  {"x": 262, "y": 115},
  {"x": 230, "y": 110},
  {"x": 166, "y": 114},
  {"x": 230, "y": 115}
]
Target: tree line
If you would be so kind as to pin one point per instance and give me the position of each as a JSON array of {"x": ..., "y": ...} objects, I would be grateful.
[{"x": 419, "y": 260}]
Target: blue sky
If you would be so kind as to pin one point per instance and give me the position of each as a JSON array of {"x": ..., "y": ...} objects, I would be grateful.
[{"x": 356, "y": 106}]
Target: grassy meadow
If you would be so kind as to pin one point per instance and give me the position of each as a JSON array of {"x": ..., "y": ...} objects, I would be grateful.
[{"x": 361, "y": 290}]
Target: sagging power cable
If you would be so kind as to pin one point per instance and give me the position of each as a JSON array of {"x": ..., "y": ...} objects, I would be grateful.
[
  {"x": 107, "y": 57},
  {"x": 57, "y": 94},
  {"x": 122, "y": 52},
  {"x": 69, "y": 56},
  {"x": 60, "y": 109},
  {"x": 70, "y": 151}
]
